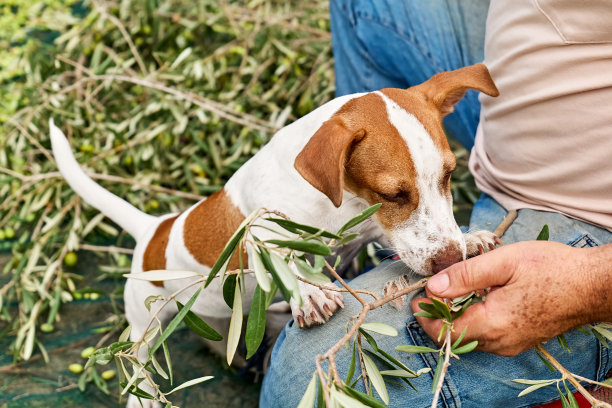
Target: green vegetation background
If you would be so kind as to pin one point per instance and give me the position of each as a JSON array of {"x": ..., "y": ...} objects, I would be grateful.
[{"x": 162, "y": 101}]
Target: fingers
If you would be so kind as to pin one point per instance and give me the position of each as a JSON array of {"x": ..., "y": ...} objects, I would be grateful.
[
  {"x": 473, "y": 319},
  {"x": 490, "y": 269}
]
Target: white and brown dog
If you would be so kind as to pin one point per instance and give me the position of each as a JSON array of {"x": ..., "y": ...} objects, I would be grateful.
[{"x": 355, "y": 151}]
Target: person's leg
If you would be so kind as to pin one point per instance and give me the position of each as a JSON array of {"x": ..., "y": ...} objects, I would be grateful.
[
  {"x": 477, "y": 379},
  {"x": 387, "y": 43}
]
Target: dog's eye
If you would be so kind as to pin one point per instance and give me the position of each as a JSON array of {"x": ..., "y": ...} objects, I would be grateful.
[
  {"x": 400, "y": 197},
  {"x": 446, "y": 179}
]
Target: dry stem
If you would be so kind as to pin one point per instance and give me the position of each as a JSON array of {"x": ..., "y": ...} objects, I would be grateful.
[
  {"x": 447, "y": 355},
  {"x": 570, "y": 377}
]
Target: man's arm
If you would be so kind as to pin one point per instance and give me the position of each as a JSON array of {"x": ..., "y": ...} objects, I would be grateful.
[{"x": 539, "y": 290}]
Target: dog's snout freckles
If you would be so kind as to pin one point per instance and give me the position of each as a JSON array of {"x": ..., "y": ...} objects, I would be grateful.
[{"x": 447, "y": 256}]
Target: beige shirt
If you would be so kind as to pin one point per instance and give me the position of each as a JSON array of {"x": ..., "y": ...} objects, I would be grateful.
[{"x": 546, "y": 142}]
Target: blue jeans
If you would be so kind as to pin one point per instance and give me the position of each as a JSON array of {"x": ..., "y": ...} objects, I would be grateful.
[
  {"x": 396, "y": 44},
  {"x": 388, "y": 43},
  {"x": 476, "y": 380}
]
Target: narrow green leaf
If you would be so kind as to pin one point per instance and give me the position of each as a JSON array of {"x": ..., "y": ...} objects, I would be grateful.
[
  {"x": 271, "y": 295},
  {"x": 134, "y": 390},
  {"x": 599, "y": 337},
  {"x": 233, "y": 336},
  {"x": 458, "y": 341},
  {"x": 260, "y": 270},
  {"x": 168, "y": 361},
  {"x": 345, "y": 400},
  {"x": 190, "y": 383},
  {"x": 437, "y": 373},
  {"x": 161, "y": 275},
  {"x": 605, "y": 333},
  {"x": 431, "y": 309},
  {"x": 535, "y": 387},
  {"x": 265, "y": 257},
  {"x": 364, "y": 398},
  {"x": 337, "y": 262},
  {"x": 221, "y": 263},
  {"x": 380, "y": 328},
  {"x": 158, "y": 368},
  {"x": 312, "y": 247},
  {"x": 546, "y": 362},
  {"x": 199, "y": 326},
  {"x": 544, "y": 234},
  {"x": 570, "y": 397},
  {"x": 376, "y": 378},
  {"x": 369, "y": 339},
  {"x": 416, "y": 349},
  {"x": 229, "y": 288},
  {"x": 564, "y": 401},
  {"x": 284, "y": 271},
  {"x": 256, "y": 323},
  {"x": 347, "y": 238},
  {"x": 309, "y": 274},
  {"x": 395, "y": 361},
  {"x": 466, "y": 348},
  {"x": 351, "y": 370},
  {"x": 398, "y": 373},
  {"x": 359, "y": 218},
  {"x": 425, "y": 314},
  {"x": 174, "y": 322},
  {"x": 294, "y": 227},
  {"x": 563, "y": 342},
  {"x": 308, "y": 399},
  {"x": 442, "y": 308}
]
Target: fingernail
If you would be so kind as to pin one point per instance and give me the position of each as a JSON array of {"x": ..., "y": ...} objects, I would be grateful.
[{"x": 438, "y": 283}]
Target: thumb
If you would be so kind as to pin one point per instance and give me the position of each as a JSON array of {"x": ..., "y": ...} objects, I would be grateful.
[{"x": 491, "y": 269}]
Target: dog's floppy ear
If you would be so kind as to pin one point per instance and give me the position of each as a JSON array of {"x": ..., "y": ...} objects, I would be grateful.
[
  {"x": 321, "y": 162},
  {"x": 447, "y": 88}
]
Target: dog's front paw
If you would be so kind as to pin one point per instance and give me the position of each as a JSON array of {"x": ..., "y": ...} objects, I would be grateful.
[
  {"x": 479, "y": 242},
  {"x": 318, "y": 305},
  {"x": 394, "y": 286}
]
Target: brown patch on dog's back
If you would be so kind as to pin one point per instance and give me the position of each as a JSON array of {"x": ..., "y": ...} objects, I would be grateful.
[
  {"x": 209, "y": 226},
  {"x": 155, "y": 255}
]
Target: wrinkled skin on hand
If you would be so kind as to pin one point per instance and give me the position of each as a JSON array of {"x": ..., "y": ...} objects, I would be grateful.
[{"x": 538, "y": 290}]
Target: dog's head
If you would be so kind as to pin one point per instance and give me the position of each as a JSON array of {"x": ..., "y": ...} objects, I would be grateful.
[{"x": 389, "y": 147}]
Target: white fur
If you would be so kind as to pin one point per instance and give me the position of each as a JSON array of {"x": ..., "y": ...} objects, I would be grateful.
[
  {"x": 270, "y": 180},
  {"x": 431, "y": 227},
  {"x": 120, "y": 211}
]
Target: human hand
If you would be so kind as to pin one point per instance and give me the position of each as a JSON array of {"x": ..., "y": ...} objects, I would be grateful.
[{"x": 539, "y": 289}]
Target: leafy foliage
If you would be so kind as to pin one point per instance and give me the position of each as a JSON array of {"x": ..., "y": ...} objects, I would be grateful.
[{"x": 162, "y": 101}]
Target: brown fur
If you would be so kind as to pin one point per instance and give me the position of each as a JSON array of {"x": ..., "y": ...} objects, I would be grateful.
[
  {"x": 209, "y": 226},
  {"x": 377, "y": 163},
  {"x": 155, "y": 255}
]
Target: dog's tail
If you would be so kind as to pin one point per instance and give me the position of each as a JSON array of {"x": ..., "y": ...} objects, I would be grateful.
[{"x": 120, "y": 211}]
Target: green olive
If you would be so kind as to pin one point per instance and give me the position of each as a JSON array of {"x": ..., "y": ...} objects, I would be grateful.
[
  {"x": 108, "y": 374},
  {"x": 70, "y": 259},
  {"x": 87, "y": 148},
  {"x": 9, "y": 233},
  {"x": 87, "y": 352},
  {"x": 46, "y": 327},
  {"x": 76, "y": 368}
]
